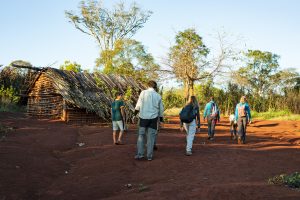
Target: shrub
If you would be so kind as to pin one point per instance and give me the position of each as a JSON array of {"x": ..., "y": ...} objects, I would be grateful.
[
  {"x": 292, "y": 180},
  {"x": 172, "y": 99}
]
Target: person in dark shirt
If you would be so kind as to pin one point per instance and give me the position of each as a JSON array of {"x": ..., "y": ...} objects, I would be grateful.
[{"x": 117, "y": 113}]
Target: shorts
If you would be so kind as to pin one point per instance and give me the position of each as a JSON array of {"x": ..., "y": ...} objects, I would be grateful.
[{"x": 118, "y": 125}]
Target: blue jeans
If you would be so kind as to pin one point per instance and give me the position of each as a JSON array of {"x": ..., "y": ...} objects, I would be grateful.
[
  {"x": 190, "y": 129},
  {"x": 150, "y": 133},
  {"x": 242, "y": 125},
  {"x": 211, "y": 124}
]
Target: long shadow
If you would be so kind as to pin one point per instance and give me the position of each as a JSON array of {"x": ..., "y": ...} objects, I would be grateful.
[{"x": 266, "y": 125}]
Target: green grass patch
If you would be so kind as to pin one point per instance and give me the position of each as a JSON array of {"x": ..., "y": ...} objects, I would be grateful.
[
  {"x": 172, "y": 111},
  {"x": 275, "y": 115},
  {"x": 292, "y": 180}
]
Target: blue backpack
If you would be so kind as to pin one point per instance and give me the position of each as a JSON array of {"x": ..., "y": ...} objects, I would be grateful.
[{"x": 187, "y": 114}]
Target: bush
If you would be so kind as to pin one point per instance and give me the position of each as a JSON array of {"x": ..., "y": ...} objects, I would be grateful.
[
  {"x": 292, "y": 180},
  {"x": 172, "y": 99},
  {"x": 9, "y": 99}
]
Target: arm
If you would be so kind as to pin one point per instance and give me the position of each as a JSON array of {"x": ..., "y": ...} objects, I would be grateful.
[
  {"x": 248, "y": 113},
  {"x": 139, "y": 103},
  {"x": 205, "y": 111},
  {"x": 236, "y": 114},
  {"x": 122, "y": 112},
  {"x": 198, "y": 117},
  {"x": 161, "y": 110}
]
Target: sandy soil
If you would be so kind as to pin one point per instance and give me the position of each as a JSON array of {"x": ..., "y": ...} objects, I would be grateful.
[{"x": 48, "y": 159}]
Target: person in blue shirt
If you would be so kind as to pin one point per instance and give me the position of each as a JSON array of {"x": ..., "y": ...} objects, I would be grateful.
[
  {"x": 242, "y": 117},
  {"x": 212, "y": 114}
]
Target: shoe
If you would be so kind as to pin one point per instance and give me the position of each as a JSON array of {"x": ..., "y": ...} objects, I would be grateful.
[
  {"x": 239, "y": 140},
  {"x": 155, "y": 148},
  {"x": 149, "y": 159},
  {"x": 211, "y": 139},
  {"x": 188, "y": 153},
  {"x": 137, "y": 157},
  {"x": 120, "y": 143},
  {"x": 208, "y": 138}
]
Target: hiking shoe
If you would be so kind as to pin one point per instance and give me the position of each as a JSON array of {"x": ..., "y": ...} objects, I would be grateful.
[
  {"x": 137, "y": 157},
  {"x": 188, "y": 153},
  {"x": 239, "y": 140}
]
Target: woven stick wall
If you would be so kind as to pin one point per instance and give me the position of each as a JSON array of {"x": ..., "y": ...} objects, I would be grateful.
[{"x": 81, "y": 91}]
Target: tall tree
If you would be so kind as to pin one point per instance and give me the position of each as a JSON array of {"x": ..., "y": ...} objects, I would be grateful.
[
  {"x": 130, "y": 57},
  {"x": 188, "y": 59},
  {"x": 108, "y": 26}
]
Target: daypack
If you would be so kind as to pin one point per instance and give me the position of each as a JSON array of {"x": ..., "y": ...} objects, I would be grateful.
[
  {"x": 242, "y": 111},
  {"x": 187, "y": 114},
  {"x": 214, "y": 111}
]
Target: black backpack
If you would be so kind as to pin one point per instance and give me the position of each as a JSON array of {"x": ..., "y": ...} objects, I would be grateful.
[{"x": 187, "y": 114}]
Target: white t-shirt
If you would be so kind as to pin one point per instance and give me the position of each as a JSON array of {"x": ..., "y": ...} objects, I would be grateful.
[{"x": 231, "y": 118}]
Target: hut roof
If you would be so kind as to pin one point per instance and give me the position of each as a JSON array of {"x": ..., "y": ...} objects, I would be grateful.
[{"x": 82, "y": 90}]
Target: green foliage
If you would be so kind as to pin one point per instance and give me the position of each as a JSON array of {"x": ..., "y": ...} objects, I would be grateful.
[
  {"x": 69, "y": 66},
  {"x": 188, "y": 57},
  {"x": 259, "y": 73},
  {"x": 173, "y": 99},
  {"x": 128, "y": 94},
  {"x": 129, "y": 58},
  {"x": 9, "y": 100},
  {"x": 9, "y": 95},
  {"x": 292, "y": 180}
]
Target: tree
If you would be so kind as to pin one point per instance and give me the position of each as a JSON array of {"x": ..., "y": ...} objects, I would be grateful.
[
  {"x": 259, "y": 73},
  {"x": 108, "y": 26},
  {"x": 69, "y": 66},
  {"x": 188, "y": 59},
  {"x": 130, "y": 57}
]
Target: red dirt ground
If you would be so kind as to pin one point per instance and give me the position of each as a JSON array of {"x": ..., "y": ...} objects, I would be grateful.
[{"x": 42, "y": 159}]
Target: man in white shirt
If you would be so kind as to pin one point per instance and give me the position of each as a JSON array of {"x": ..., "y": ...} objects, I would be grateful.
[{"x": 150, "y": 108}]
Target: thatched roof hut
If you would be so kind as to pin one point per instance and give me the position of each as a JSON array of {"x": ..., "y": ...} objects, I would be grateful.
[{"x": 78, "y": 97}]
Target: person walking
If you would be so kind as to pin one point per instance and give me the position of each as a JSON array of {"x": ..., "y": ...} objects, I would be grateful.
[
  {"x": 212, "y": 114},
  {"x": 150, "y": 108},
  {"x": 233, "y": 127},
  {"x": 188, "y": 117},
  {"x": 117, "y": 113},
  {"x": 242, "y": 117}
]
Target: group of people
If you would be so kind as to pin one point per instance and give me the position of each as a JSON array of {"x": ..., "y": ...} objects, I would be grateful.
[{"x": 150, "y": 110}]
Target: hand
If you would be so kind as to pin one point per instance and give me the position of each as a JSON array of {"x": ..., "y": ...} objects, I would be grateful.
[
  {"x": 234, "y": 122},
  {"x": 181, "y": 128},
  {"x": 161, "y": 119}
]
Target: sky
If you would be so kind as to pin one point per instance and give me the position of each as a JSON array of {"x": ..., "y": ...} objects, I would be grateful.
[{"x": 38, "y": 31}]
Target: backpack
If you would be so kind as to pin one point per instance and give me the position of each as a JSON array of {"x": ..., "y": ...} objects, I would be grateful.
[
  {"x": 187, "y": 114},
  {"x": 242, "y": 111},
  {"x": 214, "y": 111}
]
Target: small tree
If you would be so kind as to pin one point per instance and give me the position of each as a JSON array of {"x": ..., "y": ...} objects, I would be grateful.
[{"x": 69, "y": 66}]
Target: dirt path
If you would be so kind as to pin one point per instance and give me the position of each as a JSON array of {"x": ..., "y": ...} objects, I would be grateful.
[{"x": 43, "y": 159}]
